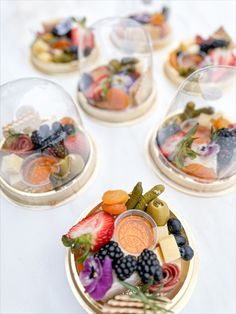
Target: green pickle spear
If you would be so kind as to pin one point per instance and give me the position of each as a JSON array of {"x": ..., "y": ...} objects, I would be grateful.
[
  {"x": 150, "y": 196},
  {"x": 135, "y": 196}
]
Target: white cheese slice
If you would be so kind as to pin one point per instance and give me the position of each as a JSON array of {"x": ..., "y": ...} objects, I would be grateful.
[{"x": 11, "y": 164}]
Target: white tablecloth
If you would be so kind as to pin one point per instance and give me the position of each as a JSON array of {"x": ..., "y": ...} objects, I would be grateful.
[{"x": 33, "y": 278}]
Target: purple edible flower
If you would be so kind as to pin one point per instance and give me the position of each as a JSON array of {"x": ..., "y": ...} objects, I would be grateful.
[
  {"x": 210, "y": 150},
  {"x": 122, "y": 81},
  {"x": 143, "y": 18},
  {"x": 96, "y": 279}
]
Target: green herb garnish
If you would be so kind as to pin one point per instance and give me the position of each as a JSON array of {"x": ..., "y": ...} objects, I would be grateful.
[
  {"x": 105, "y": 88},
  {"x": 150, "y": 300},
  {"x": 184, "y": 149}
]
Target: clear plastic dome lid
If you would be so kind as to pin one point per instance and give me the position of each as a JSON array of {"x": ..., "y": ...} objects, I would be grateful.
[
  {"x": 120, "y": 81},
  {"x": 156, "y": 23},
  {"x": 199, "y": 52},
  {"x": 55, "y": 48},
  {"x": 44, "y": 147},
  {"x": 195, "y": 145}
]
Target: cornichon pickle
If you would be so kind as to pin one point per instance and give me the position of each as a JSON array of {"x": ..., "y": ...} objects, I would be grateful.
[
  {"x": 115, "y": 65},
  {"x": 129, "y": 60},
  {"x": 149, "y": 196},
  {"x": 135, "y": 196}
]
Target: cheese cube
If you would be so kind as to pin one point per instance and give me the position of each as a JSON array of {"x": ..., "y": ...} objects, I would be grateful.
[
  {"x": 169, "y": 248},
  {"x": 162, "y": 232},
  {"x": 11, "y": 164},
  {"x": 159, "y": 255}
]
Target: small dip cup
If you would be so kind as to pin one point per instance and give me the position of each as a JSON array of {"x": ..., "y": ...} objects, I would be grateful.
[{"x": 136, "y": 241}]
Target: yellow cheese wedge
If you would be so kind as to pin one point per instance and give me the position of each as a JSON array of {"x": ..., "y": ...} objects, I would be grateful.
[
  {"x": 162, "y": 232},
  {"x": 169, "y": 249},
  {"x": 159, "y": 255}
]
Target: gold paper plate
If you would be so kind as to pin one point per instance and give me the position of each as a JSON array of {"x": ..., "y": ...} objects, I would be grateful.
[{"x": 179, "y": 296}]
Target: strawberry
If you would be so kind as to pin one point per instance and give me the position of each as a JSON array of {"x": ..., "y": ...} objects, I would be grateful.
[
  {"x": 171, "y": 142},
  {"x": 88, "y": 38},
  {"x": 90, "y": 234},
  {"x": 100, "y": 73},
  {"x": 77, "y": 144},
  {"x": 96, "y": 89}
]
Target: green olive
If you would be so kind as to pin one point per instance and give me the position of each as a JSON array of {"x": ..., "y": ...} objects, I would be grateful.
[{"x": 159, "y": 211}]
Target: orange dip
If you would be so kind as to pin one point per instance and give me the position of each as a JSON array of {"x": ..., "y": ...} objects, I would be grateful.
[{"x": 134, "y": 234}]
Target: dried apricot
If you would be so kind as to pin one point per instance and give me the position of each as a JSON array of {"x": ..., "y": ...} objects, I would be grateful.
[
  {"x": 157, "y": 19},
  {"x": 221, "y": 123},
  {"x": 115, "y": 209},
  {"x": 115, "y": 197},
  {"x": 67, "y": 120},
  {"x": 117, "y": 99},
  {"x": 173, "y": 60},
  {"x": 200, "y": 171}
]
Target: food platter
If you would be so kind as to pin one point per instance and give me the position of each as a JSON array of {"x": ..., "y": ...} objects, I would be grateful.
[{"x": 178, "y": 297}]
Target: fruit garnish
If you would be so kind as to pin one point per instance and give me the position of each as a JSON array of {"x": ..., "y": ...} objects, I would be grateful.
[
  {"x": 171, "y": 277},
  {"x": 200, "y": 171},
  {"x": 169, "y": 145},
  {"x": 113, "y": 197},
  {"x": 112, "y": 250},
  {"x": 38, "y": 170},
  {"x": 78, "y": 144},
  {"x": 183, "y": 148},
  {"x": 117, "y": 99},
  {"x": 221, "y": 123},
  {"x": 186, "y": 252},
  {"x": 96, "y": 278},
  {"x": 135, "y": 196},
  {"x": 90, "y": 234},
  {"x": 157, "y": 19},
  {"x": 115, "y": 209}
]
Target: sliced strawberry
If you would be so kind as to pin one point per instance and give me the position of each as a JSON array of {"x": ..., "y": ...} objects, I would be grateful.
[
  {"x": 100, "y": 73},
  {"x": 171, "y": 142},
  {"x": 92, "y": 232},
  {"x": 75, "y": 35},
  {"x": 78, "y": 144},
  {"x": 95, "y": 90},
  {"x": 89, "y": 40}
]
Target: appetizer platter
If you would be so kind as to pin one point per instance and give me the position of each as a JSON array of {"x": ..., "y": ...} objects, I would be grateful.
[
  {"x": 191, "y": 55},
  {"x": 131, "y": 254},
  {"x": 194, "y": 147},
  {"x": 119, "y": 87},
  {"x": 157, "y": 26},
  {"x": 44, "y": 159},
  {"x": 56, "y": 47}
]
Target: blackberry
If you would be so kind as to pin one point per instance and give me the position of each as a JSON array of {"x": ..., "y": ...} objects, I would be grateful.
[
  {"x": 207, "y": 45},
  {"x": 57, "y": 127},
  {"x": 58, "y": 150},
  {"x": 149, "y": 268},
  {"x": 226, "y": 138},
  {"x": 69, "y": 129},
  {"x": 224, "y": 157},
  {"x": 125, "y": 267},
  {"x": 85, "y": 82},
  {"x": 36, "y": 139},
  {"x": 44, "y": 131},
  {"x": 112, "y": 250},
  {"x": 164, "y": 133}
]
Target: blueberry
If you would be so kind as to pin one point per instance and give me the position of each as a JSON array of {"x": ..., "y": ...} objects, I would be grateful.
[
  {"x": 180, "y": 240},
  {"x": 73, "y": 49},
  {"x": 85, "y": 82},
  {"x": 174, "y": 225},
  {"x": 56, "y": 126},
  {"x": 62, "y": 28},
  {"x": 186, "y": 252},
  {"x": 44, "y": 131},
  {"x": 69, "y": 129}
]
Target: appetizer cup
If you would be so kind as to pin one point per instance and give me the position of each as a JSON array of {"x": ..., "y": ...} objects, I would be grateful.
[
  {"x": 55, "y": 48},
  {"x": 197, "y": 53},
  {"x": 106, "y": 278},
  {"x": 46, "y": 156},
  {"x": 194, "y": 148},
  {"x": 118, "y": 87}
]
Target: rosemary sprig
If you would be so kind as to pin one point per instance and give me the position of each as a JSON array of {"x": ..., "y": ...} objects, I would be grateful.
[
  {"x": 149, "y": 300},
  {"x": 183, "y": 149},
  {"x": 105, "y": 88}
]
